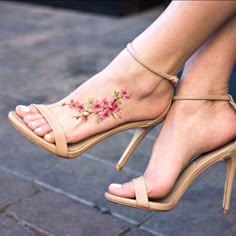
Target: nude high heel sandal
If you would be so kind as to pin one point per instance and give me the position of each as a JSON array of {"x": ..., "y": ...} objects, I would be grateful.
[
  {"x": 195, "y": 168},
  {"x": 62, "y": 149}
]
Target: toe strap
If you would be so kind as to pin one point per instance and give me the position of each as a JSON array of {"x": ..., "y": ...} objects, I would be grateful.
[
  {"x": 59, "y": 134},
  {"x": 141, "y": 192}
]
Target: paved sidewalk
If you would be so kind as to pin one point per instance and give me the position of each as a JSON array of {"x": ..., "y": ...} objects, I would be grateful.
[{"x": 44, "y": 55}]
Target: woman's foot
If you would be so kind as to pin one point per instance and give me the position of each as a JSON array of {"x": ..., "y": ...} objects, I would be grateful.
[
  {"x": 191, "y": 128},
  {"x": 150, "y": 96}
]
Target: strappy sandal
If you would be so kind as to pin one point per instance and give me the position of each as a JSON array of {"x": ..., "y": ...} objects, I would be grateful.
[
  {"x": 69, "y": 151},
  {"x": 194, "y": 169}
]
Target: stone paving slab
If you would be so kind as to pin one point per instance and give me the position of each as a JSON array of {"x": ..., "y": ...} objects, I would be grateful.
[
  {"x": 35, "y": 209},
  {"x": 30, "y": 161},
  {"x": 80, "y": 177},
  {"x": 16, "y": 139},
  {"x": 44, "y": 55},
  {"x": 67, "y": 217},
  {"x": 138, "y": 232},
  {"x": 88, "y": 180},
  {"x": 8, "y": 227},
  {"x": 14, "y": 189}
]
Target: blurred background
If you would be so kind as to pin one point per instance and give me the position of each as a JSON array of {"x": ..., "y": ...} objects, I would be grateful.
[{"x": 113, "y": 8}]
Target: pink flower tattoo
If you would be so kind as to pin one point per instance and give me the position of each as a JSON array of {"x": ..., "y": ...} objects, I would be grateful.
[{"x": 101, "y": 109}]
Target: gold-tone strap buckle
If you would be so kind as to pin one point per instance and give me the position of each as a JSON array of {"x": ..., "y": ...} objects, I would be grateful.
[{"x": 232, "y": 102}]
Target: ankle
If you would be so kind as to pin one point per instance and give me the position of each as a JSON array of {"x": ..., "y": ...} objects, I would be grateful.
[
  {"x": 128, "y": 73},
  {"x": 201, "y": 88},
  {"x": 202, "y": 107},
  {"x": 168, "y": 62}
]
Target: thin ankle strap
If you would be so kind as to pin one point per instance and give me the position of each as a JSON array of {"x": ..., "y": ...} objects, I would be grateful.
[
  {"x": 207, "y": 97},
  {"x": 173, "y": 79},
  {"x": 228, "y": 98}
]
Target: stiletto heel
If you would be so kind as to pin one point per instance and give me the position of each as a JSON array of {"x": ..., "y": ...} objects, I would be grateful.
[
  {"x": 62, "y": 149},
  {"x": 194, "y": 169},
  {"x": 139, "y": 135},
  {"x": 230, "y": 174}
]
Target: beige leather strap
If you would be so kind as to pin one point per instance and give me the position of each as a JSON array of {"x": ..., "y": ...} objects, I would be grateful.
[
  {"x": 140, "y": 192},
  {"x": 173, "y": 79},
  {"x": 207, "y": 97},
  {"x": 60, "y": 140}
]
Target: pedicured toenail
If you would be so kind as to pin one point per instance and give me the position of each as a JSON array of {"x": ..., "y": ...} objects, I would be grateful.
[
  {"x": 48, "y": 137},
  {"x": 24, "y": 108},
  {"x": 32, "y": 124},
  {"x": 38, "y": 130},
  {"x": 116, "y": 186},
  {"x": 28, "y": 117}
]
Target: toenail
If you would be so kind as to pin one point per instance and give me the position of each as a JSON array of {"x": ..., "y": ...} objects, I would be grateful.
[
  {"x": 116, "y": 185},
  {"x": 32, "y": 123},
  {"x": 38, "y": 130},
  {"x": 24, "y": 108},
  {"x": 48, "y": 136},
  {"x": 28, "y": 117}
]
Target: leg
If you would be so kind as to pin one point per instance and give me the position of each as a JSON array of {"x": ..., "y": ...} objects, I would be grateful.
[
  {"x": 172, "y": 37},
  {"x": 193, "y": 127}
]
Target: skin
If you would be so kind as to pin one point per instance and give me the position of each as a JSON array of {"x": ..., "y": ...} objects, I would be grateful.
[
  {"x": 175, "y": 39},
  {"x": 193, "y": 127}
]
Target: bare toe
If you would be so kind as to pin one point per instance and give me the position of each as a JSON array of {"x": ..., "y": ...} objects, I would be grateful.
[
  {"x": 22, "y": 110},
  {"x": 49, "y": 137},
  {"x": 124, "y": 190},
  {"x": 31, "y": 117},
  {"x": 37, "y": 123},
  {"x": 42, "y": 130}
]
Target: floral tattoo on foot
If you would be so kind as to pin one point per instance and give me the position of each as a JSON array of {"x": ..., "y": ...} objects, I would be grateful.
[{"x": 101, "y": 109}]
